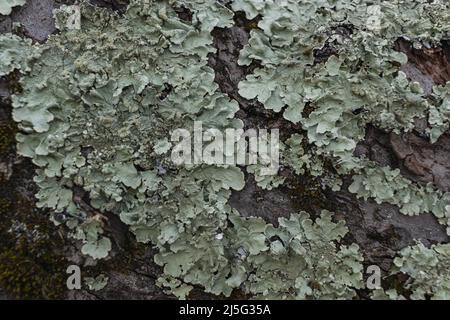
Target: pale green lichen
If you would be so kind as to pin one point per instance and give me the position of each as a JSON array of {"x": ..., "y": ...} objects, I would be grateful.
[
  {"x": 337, "y": 59},
  {"x": 115, "y": 103},
  {"x": 439, "y": 116},
  {"x": 360, "y": 82},
  {"x": 97, "y": 108},
  {"x": 299, "y": 259},
  {"x": 391, "y": 294},
  {"x": 7, "y": 5},
  {"x": 96, "y": 284},
  {"x": 90, "y": 233},
  {"x": 14, "y": 54},
  {"x": 363, "y": 74},
  {"x": 428, "y": 269},
  {"x": 387, "y": 185},
  {"x": 100, "y": 102}
]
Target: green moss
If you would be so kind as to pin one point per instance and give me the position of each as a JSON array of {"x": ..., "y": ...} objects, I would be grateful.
[
  {"x": 7, "y": 137},
  {"x": 32, "y": 264},
  {"x": 27, "y": 272},
  {"x": 13, "y": 80},
  {"x": 307, "y": 194},
  {"x": 5, "y": 207}
]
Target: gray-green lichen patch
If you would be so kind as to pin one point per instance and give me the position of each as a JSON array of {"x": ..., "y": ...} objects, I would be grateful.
[
  {"x": 428, "y": 269},
  {"x": 302, "y": 260},
  {"x": 96, "y": 284},
  {"x": 334, "y": 68},
  {"x": 97, "y": 117},
  {"x": 359, "y": 83},
  {"x": 101, "y": 99},
  {"x": 7, "y": 5},
  {"x": 15, "y": 54}
]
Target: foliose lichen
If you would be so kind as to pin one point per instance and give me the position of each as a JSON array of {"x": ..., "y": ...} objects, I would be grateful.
[
  {"x": 99, "y": 103},
  {"x": 428, "y": 269},
  {"x": 7, "y": 5},
  {"x": 360, "y": 82}
]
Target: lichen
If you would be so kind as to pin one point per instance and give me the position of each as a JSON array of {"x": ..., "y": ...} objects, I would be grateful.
[
  {"x": 428, "y": 269},
  {"x": 7, "y": 5},
  {"x": 359, "y": 83},
  {"x": 99, "y": 102},
  {"x": 114, "y": 101},
  {"x": 96, "y": 284},
  {"x": 14, "y": 54},
  {"x": 297, "y": 260}
]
